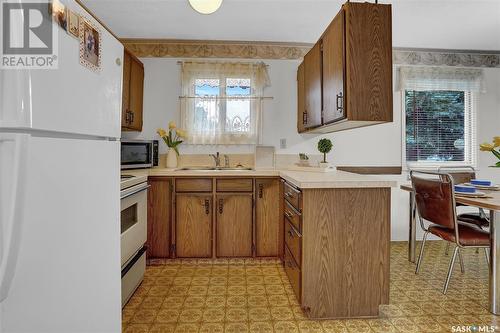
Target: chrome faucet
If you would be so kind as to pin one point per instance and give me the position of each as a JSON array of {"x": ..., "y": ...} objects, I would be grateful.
[{"x": 216, "y": 159}]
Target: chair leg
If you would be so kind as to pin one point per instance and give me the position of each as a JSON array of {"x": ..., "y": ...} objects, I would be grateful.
[
  {"x": 487, "y": 255},
  {"x": 447, "y": 249},
  {"x": 419, "y": 261},
  {"x": 462, "y": 269},
  {"x": 450, "y": 270}
]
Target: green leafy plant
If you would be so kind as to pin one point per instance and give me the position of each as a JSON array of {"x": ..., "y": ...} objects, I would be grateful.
[{"x": 325, "y": 146}]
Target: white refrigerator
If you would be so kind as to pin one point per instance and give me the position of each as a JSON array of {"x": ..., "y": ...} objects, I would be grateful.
[{"x": 60, "y": 193}]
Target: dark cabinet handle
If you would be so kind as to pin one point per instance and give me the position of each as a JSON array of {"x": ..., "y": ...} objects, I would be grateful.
[
  {"x": 304, "y": 118},
  {"x": 290, "y": 233},
  {"x": 340, "y": 106},
  {"x": 207, "y": 206},
  {"x": 261, "y": 190},
  {"x": 221, "y": 206}
]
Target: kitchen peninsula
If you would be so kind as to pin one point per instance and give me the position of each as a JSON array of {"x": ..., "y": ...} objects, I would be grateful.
[{"x": 331, "y": 230}]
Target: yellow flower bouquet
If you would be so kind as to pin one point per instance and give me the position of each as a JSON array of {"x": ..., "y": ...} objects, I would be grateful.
[
  {"x": 174, "y": 137},
  {"x": 493, "y": 148}
]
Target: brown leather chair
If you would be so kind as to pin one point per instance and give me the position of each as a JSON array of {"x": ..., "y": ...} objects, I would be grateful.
[
  {"x": 435, "y": 201},
  {"x": 460, "y": 175}
]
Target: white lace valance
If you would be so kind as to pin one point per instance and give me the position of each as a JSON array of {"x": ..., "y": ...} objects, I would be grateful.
[
  {"x": 221, "y": 102},
  {"x": 441, "y": 78}
]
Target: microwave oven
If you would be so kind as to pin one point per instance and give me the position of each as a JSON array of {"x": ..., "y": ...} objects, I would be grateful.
[{"x": 137, "y": 154}]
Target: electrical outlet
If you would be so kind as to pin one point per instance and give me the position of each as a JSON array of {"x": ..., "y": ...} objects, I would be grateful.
[{"x": 282, "y": 143}]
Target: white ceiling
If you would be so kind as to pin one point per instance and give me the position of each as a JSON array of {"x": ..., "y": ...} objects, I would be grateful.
[{"x": 441, "y": 24}]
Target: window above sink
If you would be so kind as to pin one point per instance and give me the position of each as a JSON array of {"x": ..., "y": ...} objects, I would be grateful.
[{"x": 222, "y": 102}]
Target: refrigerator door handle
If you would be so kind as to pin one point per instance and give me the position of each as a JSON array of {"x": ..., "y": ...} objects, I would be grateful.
[{"x": 13, "y": 173}]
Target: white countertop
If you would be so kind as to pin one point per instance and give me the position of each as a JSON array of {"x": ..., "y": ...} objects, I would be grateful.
[{"x": 301, "y": 179}]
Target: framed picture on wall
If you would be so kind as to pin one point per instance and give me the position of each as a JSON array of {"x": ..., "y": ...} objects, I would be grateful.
[
  {"x": 59, "y": 14},
  {"x": 73, "y": 23},
  {"x": 90, "y": 45}
]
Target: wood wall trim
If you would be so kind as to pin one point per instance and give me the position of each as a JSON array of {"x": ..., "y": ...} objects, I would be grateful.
[
  {"x": 372, "y": 170},
  {"x": 174, "y": 48}
]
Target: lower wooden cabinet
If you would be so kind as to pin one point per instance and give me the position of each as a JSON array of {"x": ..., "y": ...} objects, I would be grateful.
[
  {"x": 159, "y": 217},
  {"x": 234, "y": 225},
  {"x": 193, "y": 227},
  {"x": 267, "y": 217}
]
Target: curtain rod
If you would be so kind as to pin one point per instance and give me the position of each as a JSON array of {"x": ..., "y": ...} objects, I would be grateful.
[
  {"x": 194, "y": 62},
  {"x": 227, "y": 97}
]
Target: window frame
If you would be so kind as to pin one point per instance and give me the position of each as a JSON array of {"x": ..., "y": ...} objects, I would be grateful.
[
  {"x": 471, "y": 148},
  {"x": 222, "y": 98}
]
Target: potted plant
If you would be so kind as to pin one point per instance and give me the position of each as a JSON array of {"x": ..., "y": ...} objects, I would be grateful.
[
  {"x": 324, "y": 146},
  {"x": 172, "y": 140},
  {"x": 493, "y": 148}
]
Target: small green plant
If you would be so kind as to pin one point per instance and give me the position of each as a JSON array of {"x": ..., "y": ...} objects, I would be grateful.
[
  {"x": 303, "y": 157},
  {"x": 325, "y": 146}
]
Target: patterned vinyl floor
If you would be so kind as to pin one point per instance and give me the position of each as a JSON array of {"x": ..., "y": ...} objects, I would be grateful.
[{"x": 255, "y": 296}]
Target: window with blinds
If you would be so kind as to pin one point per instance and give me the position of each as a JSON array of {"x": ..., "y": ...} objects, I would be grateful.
[{"x": 439, "y": 127}]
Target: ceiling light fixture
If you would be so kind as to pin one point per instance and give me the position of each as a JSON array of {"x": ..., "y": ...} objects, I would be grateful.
[{"x": 205, "y": 6}]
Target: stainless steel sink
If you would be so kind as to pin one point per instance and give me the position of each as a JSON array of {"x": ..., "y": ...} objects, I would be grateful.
[{"x": 202, "y": 168}]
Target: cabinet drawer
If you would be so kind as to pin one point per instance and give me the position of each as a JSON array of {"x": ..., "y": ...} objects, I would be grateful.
[
  {"x": 294, "y": 242},
  {"x": 234, "y": 185},
  {"x": 293, "y": 273},
  {"x": 293, "y": 196},
  {"x": 193, "y": 185},
  {"x": 292, "y": 216}
]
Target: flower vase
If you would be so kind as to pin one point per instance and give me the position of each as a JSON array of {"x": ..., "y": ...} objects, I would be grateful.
[{"x": 171, "y": 159}]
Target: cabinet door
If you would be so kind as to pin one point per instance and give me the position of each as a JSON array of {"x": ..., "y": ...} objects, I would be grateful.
[
  {"x": 126, "y": 90},
  {"x": 193, "y": 228},
  {"x": 136, "y": 93},
  {"x": 312, "y": 81},
  {"x": 267, "y": 217},
  {"x": 301, "y": 107},
  {"x": 333, "y": 70},
  {"x": 234, "y": 225},
  {"x": 159, "y": 213}
]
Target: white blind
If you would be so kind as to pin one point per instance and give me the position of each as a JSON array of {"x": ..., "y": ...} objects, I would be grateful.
[
  {"x": 441, "y": 78},
  {"x": 440, "y": 127}
]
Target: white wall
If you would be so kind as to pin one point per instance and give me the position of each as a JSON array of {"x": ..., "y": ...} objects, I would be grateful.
[{"x": 379, "y": 145}]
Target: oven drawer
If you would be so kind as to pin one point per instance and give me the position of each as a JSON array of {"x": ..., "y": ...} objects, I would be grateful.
[
  {"x": 132, "y": 275},
  {"x": 293, "y": 196},
  {"x": 292, "y": 216},
  {"x": 294, "y": 242}
]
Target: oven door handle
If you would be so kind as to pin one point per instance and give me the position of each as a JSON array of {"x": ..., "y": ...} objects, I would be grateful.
[{"x": 140, "y": 189}]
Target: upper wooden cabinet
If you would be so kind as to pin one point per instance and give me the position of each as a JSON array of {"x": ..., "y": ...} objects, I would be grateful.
[
  {"x": 311, "y": 116},
  {"x": 301, "y": 103},
  {"x": 132, "y": 94},
  {"x": 333, "y": 70},
  {"x": 355, "y": 64}
]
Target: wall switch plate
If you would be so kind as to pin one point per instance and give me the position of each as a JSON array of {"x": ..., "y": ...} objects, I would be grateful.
[{"x": 282, "y": 143}]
